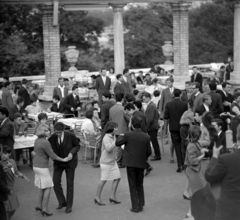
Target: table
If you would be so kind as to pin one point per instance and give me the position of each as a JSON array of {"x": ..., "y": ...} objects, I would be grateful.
[
  {"x": 70, "y": 122},
  {"x": 49, "y": 114},
  {"x": 22, "y": 142}
]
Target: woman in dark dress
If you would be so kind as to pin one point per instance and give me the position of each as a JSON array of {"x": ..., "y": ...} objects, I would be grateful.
[{"x": 10, "y": 169}]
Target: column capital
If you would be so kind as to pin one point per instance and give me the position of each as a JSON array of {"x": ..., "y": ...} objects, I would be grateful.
[
  {"x": 117, "y": 7},
  {"x": 47, "y": 9},
  {"x": 181, "y": 6},
  {"x": 237, "y": 4}
]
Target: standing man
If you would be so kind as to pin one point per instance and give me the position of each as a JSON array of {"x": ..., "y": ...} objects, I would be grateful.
[
  {"x": 118, "y": 88},
  {"x": 23, "y": 93},
  {"x": 136, "y": 151},
  {"x": 7, "y": 100},
  {"x": 64, "y": 144},
  {"x": 197, "y": 96},
  {"x": 205, "y": 107},
  {"x": 224, "y": 170},
  {"x": 17, "y": 108},
  {"x": 197, "y": 77},
  {"x": 105, "y": 107},
  {"x": 174, "y": 111},
  {"x": 117, "y": 115},
  {"x": 103, "y": 83},
  {"x": 72, "y": 102},
  {"x": 126, "y": 81},
  {"x": 216, "y": 106},
  {"x": 6, "y": 130},
  {"x": 60, "y": 90},
  {"x": 152, "y": 117}
]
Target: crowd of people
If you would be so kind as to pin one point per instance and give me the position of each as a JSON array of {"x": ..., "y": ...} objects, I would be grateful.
[{"x": 126, "y": 123}]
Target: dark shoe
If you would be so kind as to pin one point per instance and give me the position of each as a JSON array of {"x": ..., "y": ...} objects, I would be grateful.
[
  {"x": 187, "y": 198},
  {"x": 171, "y": 161},
  {"x": 98, "y": 202},
  {"x": 68, "y": 210},
  {"x": 179, "y": 170},
  {"x": 95, "y": 165},
  {"x": 132, "y": 210},
  {"x": 38, "y": 209},
  {"x": 61, "y": 206},
  {"x": 149, "y": 169},
  {"x": 156, "y": 158},
  {"x": 46, "y": 213},
  {"x": 114, "y": 201},
  {"x": 140, "y": 209}
]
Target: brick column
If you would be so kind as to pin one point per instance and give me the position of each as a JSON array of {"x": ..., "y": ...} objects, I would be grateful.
[
  {"x": 181, "y": 42},
  {"x": 235, "y": 76},
  {"x": 51, "y": 41},
  {"x": 119, "y": 58}
]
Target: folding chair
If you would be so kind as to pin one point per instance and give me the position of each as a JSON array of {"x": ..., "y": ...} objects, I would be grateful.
[
  {"x": 80, "y": 136},
  {"x": 91, "y": 143},
  {"x": 31, "y": 129},
  {"x": 160, "y": 134}
]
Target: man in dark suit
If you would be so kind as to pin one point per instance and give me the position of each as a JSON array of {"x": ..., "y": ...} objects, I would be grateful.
[
  {"x": 23, "y": 93},
  {"x": 197, "y": 77},
  {"x": 152, "y": 117},
  {"x": 224, "y": 170},
  {"x": 217, "y": 123},
  {"x": 216, "y": 106},
  {"x": 227, "y": 99},
  {"x": 72, "y": 102},
  {"x": 17, "y": 108},
  {"x": 103, "y": 83},
  {"x": 118, "y": 88},
  {"x": 174, "y": 111},
  {"x": 64, "y": 144},
  {"x": 6, "y": 130},
  {"x": 185, "y": 93},
  {"x": 117, "y": 115},
  {"x": 205, "y": 107},
  {"x": 136, "y": 151},
  {"x": 126, "y": 81},
  {"x": 57, "y": 106},
  {"x": 4, "y": 192},
  {"x": 105, "y": 107},
  {"x": 197, "y": 96},
  {"x": 60, "y": 90}
]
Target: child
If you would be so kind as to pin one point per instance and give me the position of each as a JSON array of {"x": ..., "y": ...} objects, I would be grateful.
[{"x": 10, "y": 169}]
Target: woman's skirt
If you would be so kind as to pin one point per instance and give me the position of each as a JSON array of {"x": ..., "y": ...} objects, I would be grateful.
[
  {"x": 196, "y": 179},
  {"x": 12, "y": 203},
  {"x": 43, "y": 178},
  {"x": 110, "y": 172}
]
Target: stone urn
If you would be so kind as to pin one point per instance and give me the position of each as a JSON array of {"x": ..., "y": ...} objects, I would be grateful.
[
  {"x": 168, "y": 52},
  {"x": 72, "y": 57}
]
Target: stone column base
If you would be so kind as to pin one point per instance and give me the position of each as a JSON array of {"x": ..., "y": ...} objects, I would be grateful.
[
  {"x": 179, "y": 81},
  {"x": 45, "y": 101}
]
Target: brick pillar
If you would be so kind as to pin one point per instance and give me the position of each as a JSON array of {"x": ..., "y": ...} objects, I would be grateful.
[
  {"x": 119, "y": 58},
  {"x": 235, "y": 76},
  {"x": 51, "y": 41},
  {"x": 181, "y": 42}
]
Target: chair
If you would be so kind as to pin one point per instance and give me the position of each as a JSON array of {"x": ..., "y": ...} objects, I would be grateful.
[
  {"x": 58, "y": 117},
  {"x": 50, "y": 123},
  {"x": 31, "y": 128},
  {"x": 79, "y": 134},
  {"x": 91, "y": 143},
  {"x": 160, "y": 133}
]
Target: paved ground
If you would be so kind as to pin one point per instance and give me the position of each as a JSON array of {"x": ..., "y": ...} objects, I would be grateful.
[{"x": 163, "y": 194}]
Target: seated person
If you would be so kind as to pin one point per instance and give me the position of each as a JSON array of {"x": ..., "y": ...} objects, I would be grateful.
[
  {"x": 148, "y": 80},
  {"x": 96, "y": 106},
  {"x": 57, "y": 105},
  {"x": 96, "y": 120},
  {"x": 17, "y": 108},
  {"x": 87, "y": 125},
  {"x": 33, "y": 108},
  {"x": 140, "y": 78},
  {"x": 19, "y": 128},
  {"x": 42, "y": 119}
]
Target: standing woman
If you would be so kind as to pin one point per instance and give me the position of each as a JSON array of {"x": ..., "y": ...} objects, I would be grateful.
[
  {"x": 43, "y": 179},
  {"x": 194, "y": 154},
  {"x": 10, "y": 169},
  {"x": 108, "y": 164}
]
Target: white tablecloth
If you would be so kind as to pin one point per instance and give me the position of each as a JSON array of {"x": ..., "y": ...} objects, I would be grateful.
[
  {"x": 24, "y": 142},
  {"x": 71, "y": 121},
  {"x": 51, "y": 114}
]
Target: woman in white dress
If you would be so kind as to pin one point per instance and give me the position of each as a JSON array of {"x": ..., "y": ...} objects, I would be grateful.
[{"x": 108, "y": 164}]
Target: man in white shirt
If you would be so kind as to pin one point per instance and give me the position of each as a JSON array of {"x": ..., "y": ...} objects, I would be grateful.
[{"x": 60, "y": 90}]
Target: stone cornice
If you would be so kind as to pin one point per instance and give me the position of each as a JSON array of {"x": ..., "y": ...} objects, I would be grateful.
[{"x": 180, "y": 6}]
